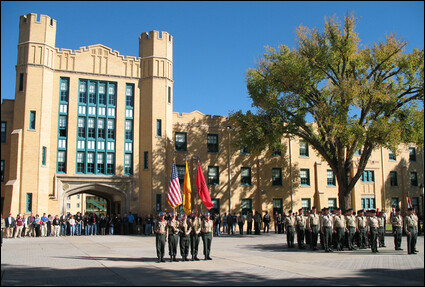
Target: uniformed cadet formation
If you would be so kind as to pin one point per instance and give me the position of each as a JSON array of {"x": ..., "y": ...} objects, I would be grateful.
[{"x": 188, "y": 231}]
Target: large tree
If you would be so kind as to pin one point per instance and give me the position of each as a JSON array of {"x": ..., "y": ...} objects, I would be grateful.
[{"x": 359, "y": 98}]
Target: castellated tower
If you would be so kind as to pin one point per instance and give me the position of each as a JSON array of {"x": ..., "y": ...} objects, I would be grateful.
[
  {"x": 156, "y": 112},
  {"x": 32, "y": 119}
]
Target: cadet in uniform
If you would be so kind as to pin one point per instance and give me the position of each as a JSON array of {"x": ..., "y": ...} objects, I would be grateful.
[
  {"x": 339, "y": 229},
  {"x": 351, "y": 226},
  {"x": 361, "y": 226},
  {"x": 257, "y": 223},
  {"x": 397, "y": 223},
  {"x": 173, "y": 232},
  {"x": 373, "y": 224},
  {"x": 249, "y": 223},
  {"x": 381, "y": 230},
  {"x": 313, "y": 226},
  {"x": 161, "y": 237},
  {"x": 195, "y": 224},
  {"x": 184, "y": 230},
  {"x": 411, "y": 228},
  {"x": 300, "y": 227},
  {"x": 241, "y": 222},
  {"x": 289, "y": 225},
  {"x": 207, "y": 235},
  {"x": 326, "y": 227}
]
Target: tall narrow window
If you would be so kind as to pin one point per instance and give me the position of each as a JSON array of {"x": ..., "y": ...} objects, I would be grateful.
[
  {"x": 110, "y": 164},
  {"x": 80, "y": 162},
  {"x": 331, "y": 177},
  {"x": 102, "y": 95},
  {"x": 213, "y": 175},
  {"x": 62, "y": 126},
  {"x": 246, "y": 176},
  {"x": 21, "y": 82},
  {"x": 129, "y": 98},
  {"x": 128, "y": 163},
  {"x": 146, "y": 160},
  {"x": 128, "y": 129},
  {"x": 414, "y": 178},
  {"x": 91, "y": 131},
  {"x": 101, "y": 128},
  {"x": 181, "y": 142},
  {"x": 81, "y": 127},
  {"x": 412, "y": 154},
  {"x": 92, "y": 94},
  {"x": 391, "y": 155},
  {"x": 2, "y": 171},
  {"x": 32, "y": 120},
  {"x": 29, "y": 203},
  {"x": 277, "y": 176},
  {"x": 83, "y": 93},
  {"x": 212, "y": 143},
  {"x": 64, "y": 90},
  {"x": 393, "y": 178},
  {"x": 43, "y": 155},
  {"x": 61, "y": 161},
  {"x": 246, "y": 206},
  {"x": 111, "y": 129},
  {"x": 111, "y": 95},
  {"x": 3, "y": 131},
  {"x": 277, "y": 206},
  {"x": 90, "y": 162},
  {"x": 158, "y": 128},
  {"x": 101, "y": 163},
  {"x": 305, "y": 177},
  {"x": 303, "y": 148},
  {"x": 169, "y": 95}
]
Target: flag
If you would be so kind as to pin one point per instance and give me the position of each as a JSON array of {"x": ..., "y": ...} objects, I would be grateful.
[
  {"x": 174, "y": 194},
  {"x": 202, "y": 188},
  {"x": 187, "y": 190},
  {"x": 409, "y": 201}
]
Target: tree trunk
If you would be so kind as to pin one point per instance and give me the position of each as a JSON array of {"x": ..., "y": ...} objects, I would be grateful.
[{"x": 344, "y": 197}]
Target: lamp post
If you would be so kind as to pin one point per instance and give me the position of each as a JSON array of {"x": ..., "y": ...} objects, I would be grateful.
[{"x": 229, "y": 174}]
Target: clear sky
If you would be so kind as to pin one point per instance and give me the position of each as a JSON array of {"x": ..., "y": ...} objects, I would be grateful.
[{"x": 214, "y": 42}]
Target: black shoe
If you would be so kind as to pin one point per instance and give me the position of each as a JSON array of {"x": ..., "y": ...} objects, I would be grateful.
[
  {"x": 175, "y": 259},
  {"x": 159, "y": 260},
  {"x": 171, "y": 259},
  {"x": 209, "y": 258},
  {"x": 330, "y": 250},
  {"x": 185, "y": 259},
  {"x": 196, "y": 258},
  {"x": 377, "y": 251},
  {"x": 162, "y": 259}
]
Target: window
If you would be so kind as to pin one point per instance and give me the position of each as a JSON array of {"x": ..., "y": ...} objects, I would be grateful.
[
  {"x": 213, "y": 178},
  {"x": 393, "y": 178},
  {"x": 246, "y": 176},
  {"x": 158, "y": 128},
  {"x": 212, "y": 143},
  {"x": 415, "y": 204},
  {"x": 332, "y": 203},
  {"x": 61, "y": 161},
  {"x": 306, "y": 204},
  {"x": 64, "y": 90},
  {"x": 91, "y": 131},
  {"x": 81, "y": 127},
  {"x": 277, "y": 176},
  {"x": 305, "y": 177},
  {"x": 277, "y": 153},
  {"x": 277, "y": 206},
  {"x": 216, "y": 206},
  {"x": 43, "y": 155},
  {"x": 29, "y": 203},
  {"x": 391, "y": 155},
  {"x": 368, "y": 202},
  {"x": 102, "y": 95},
  {"x": 128, "y": 129},
  {"x": 414, "y": 178},
  {"x": 181, "y": 170},
  {"x": 395, "y": 202},
  {"x": 90, "y": 162},
  {"x": 181, "y": 142},
  {"x": 111, "y": 95},
  {"x": 92, "y": 94},
  {"x": 68, "y": 206},
  {"x": 246, "y": 206},
  {"x": 2, "y": 171},
  {"x": 32, "y": 120},
  {"x": 129, "y": 98},
  {"x": 128, "y": 164},
  {"x": 303, "y": 148},
  {"x": 368, "y": 176},
  {"x": 62, "y": 126},
  {"x": 169, "y": 95},
  {"x": 83, "y": 93},
  {"x": 101, "y": 163},
  {"x": 245, "y": 150},
  {"x": 412, "y": 154},
  {"x": 101, "y": 128},
  {"x": 3, "y": 131},
  {"x": 146, "y": 160},
  {"x": 158, "y": 203},
  {"x": 110, "y": 164},
  {"x": 331, "y": 177},
  {"x": 21, "y": 82},
  {"x": 80, "y": 162},
  {"x": 358, "y": 152},
  {"x": 111, "y": 129}
]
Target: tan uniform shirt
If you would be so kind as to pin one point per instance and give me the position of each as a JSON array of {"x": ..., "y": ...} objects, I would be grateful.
[
  {"x": 195, "y": 223},
  {"x": 351, "y": 221},
  {"x": 313, "y": 220},
  {"x": 397, "y": 221},
  {"x": 241, "y": 219},
  {"x": 339, "y": 221},
  {"x": 381, "y": 222},
  {"x": 410, "y": 221},
  {"x": 173, "y": 226},
  {"x": 327, "y": 220},
  {"x": 373, "y": 221},
  {"x": 184, "y": 227},
  {"x": 361, "y": 222},
  {"x": 161, "y": 227},
  {"x": 300, "y": 221},
  {"x": 207, "y": 226},
  {"x": 290, "y": 221}
]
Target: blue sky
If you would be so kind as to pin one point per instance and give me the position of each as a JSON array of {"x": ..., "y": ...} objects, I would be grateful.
[{"x": 214, "y": 42}]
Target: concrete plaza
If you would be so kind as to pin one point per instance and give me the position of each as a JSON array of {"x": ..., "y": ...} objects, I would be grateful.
[{"x": 237, "y": 260}]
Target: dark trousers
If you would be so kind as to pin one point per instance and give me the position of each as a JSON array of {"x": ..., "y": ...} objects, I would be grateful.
[
  {"x": 241, "y": 228},
  {"x": 184, "y": 245},
  {"x": 249, "y": 228},
  {"x": 307, "y": 237},
  {"x": 194, "y": 243},
  {"x": 266, "y": 225},
  {"x": 374, "y": 239},
  {"x": 300, "y": 236},
  {"x": 160, "y": 245},
  {"x": 314, "y": 234},
  {"x": 290, "y": 234},
  {"x": 340, "y": 237},
  {"x": 173, "y": 240},
  {"x": 327, "y": 238},
  {"x": 411, "y": 240},
  {"x": 362, "y": 238},
  {"x": 351, "y": 233},
  {"x": 397, "y": 233},
  {"x": 257, "y": 227},
  {"x": 207, "y": 239},
  {"x": 381, "y": 235}
]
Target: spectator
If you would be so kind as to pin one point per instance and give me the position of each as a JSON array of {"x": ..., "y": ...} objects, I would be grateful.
[
  {"x": 103, "y": 224},
  {"x": 125, "y": 224},
  {"x": 25, "y": 226},
  {"x": 56, "y": 226},
  {"x": 111, "y": 224},
  {"x": 148, "y": 228},
  {"x": 19, "y": 226},
  {"x": 225, "y": 227},
  {"x": 241, "y": 222},
  {"x": 71, "y": 222},
  {"x": 278, "y": 224},
  {"x": 78, "y": 223},
  {"x": 130, "y": 223},
  {"x": 63, "y": 223},
  {"x": 86, "y": 220},
  {"x": 218, "y": 223},
  {"x": 49, "y": 225},
  {"x": 10, "y": 226},
  {"x": 118, "y": 224},
  {"x": 30, "y": 226},
  {"x": 3, "y": 226},
  {"x": 230, "y": 223},
  {"x": 275, "y": 217},
  {"x": 44, "y": 220},
  {"x": 37, "y": 225},
  {"x": 266, "y": 220}
]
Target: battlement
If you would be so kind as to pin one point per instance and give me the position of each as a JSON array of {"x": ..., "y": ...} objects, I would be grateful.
[
  {"x": 32, "y": 29},
  {"x": 33, "y": 18},
  {"x": 156, "y": 35}
]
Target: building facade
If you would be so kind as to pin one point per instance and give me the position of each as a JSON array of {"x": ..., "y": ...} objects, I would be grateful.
[{"x": 92, "y": 121}]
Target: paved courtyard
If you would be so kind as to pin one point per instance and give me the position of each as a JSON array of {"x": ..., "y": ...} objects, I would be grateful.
[{"x": 237, "y": 260}]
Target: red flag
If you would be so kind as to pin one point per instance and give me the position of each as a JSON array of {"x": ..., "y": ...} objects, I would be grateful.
[{"x": 202, "y": 188}]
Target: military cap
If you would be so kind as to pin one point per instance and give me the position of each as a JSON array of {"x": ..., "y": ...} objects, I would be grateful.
[
  {"x": 350, "y": 209},
  {"x": 314, "y": 207},
  {"x": 290, "y": 211},
  {"x": 325, "y": 208},
  {"x": 337, "y": 208},
  {"x": 360, "y": 210},
  {"x": 397, "y": 209},
  {"x": 410, "y": 209},
  {"x": 207, "y": 213},
  {"x": 372, "y": 211},
  {"x": 161, "y": 213},
  {"x": 300, "y": 209},
  {"x": 172, "y": 214}
]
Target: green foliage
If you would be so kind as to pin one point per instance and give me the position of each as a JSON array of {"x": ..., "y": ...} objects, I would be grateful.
[{"x": 359, "y": 97}]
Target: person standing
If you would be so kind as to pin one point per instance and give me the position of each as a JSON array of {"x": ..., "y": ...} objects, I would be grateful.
[
  {"x": 131, "y": 220},
  {"x": 289, "y": 226},
  {"x": 313, "y": 226},
  {"x": 266, "y": 220},
  {"x": 207, "y": 235},
  {"x": 184, "y": 228},
  {"x": 173, "y": 232},
  {"x": 37, "y": 225},
  {"x": 381, "y": 230},
  {"x": 361, "y": 226},
  {"x": 30, "y": 226},
  {"x": 300, "y": 228},
  {"x": 397, "y": 223},
  {"x": 339, "y": 229},
  {"x": 19, "y": 226},
  {"x": 241, "y": 222},
  {"x": 78, "y": 223},
  {"x": 10, "y": 225},
  {"x": 350, "y": 220},
  {"x": 3, "y": 226},
  {"x": 218, "y": 223},
  {"x": 44, "y": 220},
  {"x": 148, "y": 226},
  {"x": 278, "y": 224},
  {"x": 161, "y": 237},
  {"x": 71, "y": 222},
  {"x": 373, "y": 225},
  {"x": 326, "y": 228},
  {"x": 56, "y": 226},
  {"x": 411, "y": 229},
  {"x": 230, "y": 223},
  {"x": 195, "y": 224},
  {"x": 257, "y": 223},
  {"x": 249, "y": 219}
]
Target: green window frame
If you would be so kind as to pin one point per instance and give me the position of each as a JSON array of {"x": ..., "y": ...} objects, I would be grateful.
[
  {"x": 305, "y": 177},
  {"x": 368, "y": 176},
  {"x": 276, "y": 176},
  {"x": 28, "y": 207},
  {"x": 246, "y": 206},
  {"x": 43, "y": 156},
  {"x": 180, "y": 141},
  {"x": 213, "y": 175},
  {"x": 32, "y": 120},
  {"x": 245, "y": 176},
  {"x": 331, "y": 180},
  {"x": 277, "y": 206},
  {"x": 158, "y": 128},
  {"x": 306, "y": 204},
  {"x": 304, "y": 149},
  {"x": 212, "y": 143}
]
